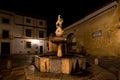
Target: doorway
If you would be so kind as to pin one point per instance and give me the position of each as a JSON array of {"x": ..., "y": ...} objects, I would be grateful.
[
  {"x": 41, "y": 49},
  {"x": 5, "y": 48}
]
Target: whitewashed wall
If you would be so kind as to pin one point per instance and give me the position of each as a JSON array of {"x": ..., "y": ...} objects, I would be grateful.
[{"x": 19, "y": 46}]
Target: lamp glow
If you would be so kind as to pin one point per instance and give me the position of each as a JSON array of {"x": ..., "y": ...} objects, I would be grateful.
[{"x": 35, "y": 41}]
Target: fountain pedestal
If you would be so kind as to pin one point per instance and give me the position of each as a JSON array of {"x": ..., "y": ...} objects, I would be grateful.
[
  {"x": 59, "y": 53},
  {"x": 59, "y": 41}
]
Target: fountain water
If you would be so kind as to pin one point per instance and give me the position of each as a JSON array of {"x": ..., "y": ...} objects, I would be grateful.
[{"x": 59, "y": 64}]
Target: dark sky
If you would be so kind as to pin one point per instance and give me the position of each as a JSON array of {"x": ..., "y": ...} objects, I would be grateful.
[{"x": 70, "y": 10}]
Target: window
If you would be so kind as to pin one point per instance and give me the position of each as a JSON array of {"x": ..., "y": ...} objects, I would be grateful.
[
  {"x": 28, "y": 32},
  {"x": 5, "y": 21},
  {"x": 41, "y": 34},
  {"x": 28, "y": 20},
  {"x": 28, "y": 44},
  {"x": 5, "y": 34},
  {"x": 40, "y": 22}
]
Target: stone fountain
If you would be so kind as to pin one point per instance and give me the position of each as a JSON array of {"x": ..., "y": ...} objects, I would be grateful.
[{"x": 59, "y": 64}]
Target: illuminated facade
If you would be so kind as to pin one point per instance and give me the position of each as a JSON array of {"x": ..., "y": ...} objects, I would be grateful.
[
  {"x": 22, "y": 34},
  {"x": 96, "y": 34}
]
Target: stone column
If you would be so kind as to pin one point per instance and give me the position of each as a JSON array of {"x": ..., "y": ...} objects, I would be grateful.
[{"x": 59, "y": 53}]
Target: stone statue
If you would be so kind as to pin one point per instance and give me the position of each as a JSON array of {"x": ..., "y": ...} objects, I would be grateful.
[
  {"x": 59, "y": 31},
  {"x": 59, "y": 21}
]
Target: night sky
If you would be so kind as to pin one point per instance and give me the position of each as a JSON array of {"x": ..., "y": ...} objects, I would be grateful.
[{"x": 70, "y": 10}]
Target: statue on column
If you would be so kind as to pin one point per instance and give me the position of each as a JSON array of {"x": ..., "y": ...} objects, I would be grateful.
[
  {"x": 58, "y": 39},
  {"x": 59, "y": 31}
]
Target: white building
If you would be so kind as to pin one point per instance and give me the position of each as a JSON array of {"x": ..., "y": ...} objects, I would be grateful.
[{"x": 21, "y": 34}]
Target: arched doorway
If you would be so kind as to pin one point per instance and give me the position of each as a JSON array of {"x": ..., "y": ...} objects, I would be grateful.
[{"x": 71, "y": 45}]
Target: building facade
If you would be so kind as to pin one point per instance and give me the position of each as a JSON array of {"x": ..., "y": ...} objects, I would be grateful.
[
  {"x": 96, "y": 34},
  {"x": 21, "y": 34}
]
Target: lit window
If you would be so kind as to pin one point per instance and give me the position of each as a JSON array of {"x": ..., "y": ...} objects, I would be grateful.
[
  {"x": 28, "y": 44},
  {"x": 28, "y": 32},
  {"x": 5, "y": 21}
]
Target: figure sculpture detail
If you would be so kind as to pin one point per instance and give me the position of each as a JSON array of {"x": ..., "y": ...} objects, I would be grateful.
[
  {"x": 59, "y": 21},
  {"x": 59, "y": 31}
]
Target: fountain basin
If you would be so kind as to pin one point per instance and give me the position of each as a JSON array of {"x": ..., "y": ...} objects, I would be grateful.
[
  {"x": 65, "y": 65},
  {"x": 59, "y": 40}
]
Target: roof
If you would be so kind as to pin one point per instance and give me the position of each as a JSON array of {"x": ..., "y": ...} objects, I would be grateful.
[
  {"x": 31, "y": 15},
  {"x": 92, "y": 14},
  {"x": 12, "y": 13}
]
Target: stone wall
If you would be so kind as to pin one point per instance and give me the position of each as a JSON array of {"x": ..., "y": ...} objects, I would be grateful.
[{"x": 100, "y": 34}]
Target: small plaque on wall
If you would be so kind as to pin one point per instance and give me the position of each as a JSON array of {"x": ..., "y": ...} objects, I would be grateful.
[{"x": 97, "y": 33}]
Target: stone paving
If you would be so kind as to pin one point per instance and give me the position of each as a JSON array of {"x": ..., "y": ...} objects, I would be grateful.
[{"x": 29, "y": 72}]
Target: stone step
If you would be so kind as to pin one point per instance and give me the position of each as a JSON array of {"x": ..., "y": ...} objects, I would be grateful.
[{"x": 99, "y": 73}]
